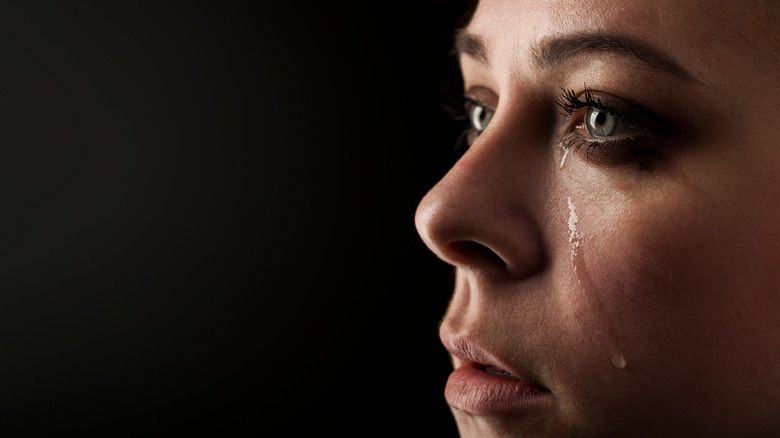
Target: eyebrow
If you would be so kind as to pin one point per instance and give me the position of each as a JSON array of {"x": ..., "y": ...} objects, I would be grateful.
[
  {"x": 554, "y": 51},
  {"x": 472, "y": 45}
]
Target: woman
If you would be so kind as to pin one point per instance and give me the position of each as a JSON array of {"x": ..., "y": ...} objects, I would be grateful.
[{"x": 614, "y": 221}]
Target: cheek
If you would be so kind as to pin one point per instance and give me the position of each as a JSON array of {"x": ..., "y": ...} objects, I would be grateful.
[
  {"x": 640, "y": 266},
  {"x": 678, "y": 289}
]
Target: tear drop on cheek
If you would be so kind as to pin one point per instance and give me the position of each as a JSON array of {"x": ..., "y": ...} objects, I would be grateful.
[
  {"x": 565, "y": 154},
  {"x": 596, "y": 319},
  {"x": 618, "y": 360}
]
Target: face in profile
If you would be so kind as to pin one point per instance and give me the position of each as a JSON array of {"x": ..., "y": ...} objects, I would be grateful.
[{"x": 614, "y": 223}]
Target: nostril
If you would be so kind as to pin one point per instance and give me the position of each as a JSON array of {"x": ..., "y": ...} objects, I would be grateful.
[{"x": 474, "y": 253}]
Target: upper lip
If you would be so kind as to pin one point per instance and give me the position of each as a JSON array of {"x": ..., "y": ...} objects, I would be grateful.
[{"x": 469, "y": 351}]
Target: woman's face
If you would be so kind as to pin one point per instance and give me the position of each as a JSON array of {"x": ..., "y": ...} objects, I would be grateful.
[{"x": 615, "y": 227}]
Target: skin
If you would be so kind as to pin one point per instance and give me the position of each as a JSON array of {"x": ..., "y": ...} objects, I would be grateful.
[{"x": 674, "y": 267}]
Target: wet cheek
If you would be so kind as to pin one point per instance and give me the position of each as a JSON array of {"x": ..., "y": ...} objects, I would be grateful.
[
  {"x": 683, "y": 288},
  {"x": 635, "y": 274},
  {"x": 648, "y": 268}
]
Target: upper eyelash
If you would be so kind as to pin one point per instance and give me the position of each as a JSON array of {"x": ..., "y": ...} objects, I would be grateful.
[
  {"x": 454, "y": 103},
  {"x": 457, "y": 106},
  {"x": 569, "y": 103}
]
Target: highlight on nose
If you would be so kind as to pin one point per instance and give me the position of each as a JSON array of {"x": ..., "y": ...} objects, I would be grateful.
[
  {"x": 451, "y": 238},
  {"x": 473, "y": 236}
]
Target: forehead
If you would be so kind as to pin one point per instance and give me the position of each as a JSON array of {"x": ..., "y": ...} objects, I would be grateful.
[
  {"x": 641, "y": 15},
  {"x": 716, "y": 44},
  {"x": 508, "y": 23}
]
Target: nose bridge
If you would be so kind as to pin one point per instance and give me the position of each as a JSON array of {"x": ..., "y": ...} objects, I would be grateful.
[{"x": 481, "y": 215}]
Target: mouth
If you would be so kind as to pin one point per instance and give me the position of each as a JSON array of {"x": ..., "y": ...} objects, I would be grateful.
[
  {"x": 486, "y": 389},
  {"x": 496, "y": 371},
  {"x": 482, "y": 384}
]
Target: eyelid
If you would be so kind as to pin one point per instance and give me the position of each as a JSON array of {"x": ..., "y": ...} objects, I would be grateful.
[
  {"x": 471, "y": 102},
  {"x": 643, "y": 146},
  {"x": 627, "y": 110},
  {"x": 483, "y": 96}
]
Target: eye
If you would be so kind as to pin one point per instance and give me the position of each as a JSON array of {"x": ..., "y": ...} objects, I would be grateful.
[
  {"x": 611, "y": 130},
  {"x": 479, "y": 115},
  {"x": 600, "y": 123}
]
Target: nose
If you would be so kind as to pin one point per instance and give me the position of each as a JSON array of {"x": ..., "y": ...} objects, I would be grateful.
[{"x": 481, "y": 216}]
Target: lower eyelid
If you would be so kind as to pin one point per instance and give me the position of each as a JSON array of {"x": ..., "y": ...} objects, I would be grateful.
[{"x": 613, "y": 152}]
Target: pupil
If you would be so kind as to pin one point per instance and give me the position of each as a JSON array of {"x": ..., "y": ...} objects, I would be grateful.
[{"x": 601, "y": 118}]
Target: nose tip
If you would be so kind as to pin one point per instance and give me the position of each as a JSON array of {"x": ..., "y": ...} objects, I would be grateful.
[
  {"x": 473, "y": 223},
  {"x": 450, "y": 240}
]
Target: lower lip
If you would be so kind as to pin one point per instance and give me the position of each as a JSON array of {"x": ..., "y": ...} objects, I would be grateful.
[{"x": 472, "y": 390}]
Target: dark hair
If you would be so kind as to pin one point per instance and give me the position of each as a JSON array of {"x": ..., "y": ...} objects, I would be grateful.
[{"x": 467, "y": 14}]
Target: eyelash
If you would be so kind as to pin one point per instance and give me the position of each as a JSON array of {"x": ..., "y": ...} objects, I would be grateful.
[
  {"x": 571, "y": 106},
  {"x": 639, "y": 148},
  {"x": 457, "y": 106}
]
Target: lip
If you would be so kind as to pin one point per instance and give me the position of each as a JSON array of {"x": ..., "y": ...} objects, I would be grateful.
[{"x": 471, "y": 388}]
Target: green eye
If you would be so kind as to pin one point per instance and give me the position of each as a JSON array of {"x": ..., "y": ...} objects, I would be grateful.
[
  {"x": 479, "y": 116},
  {"x": 600, "y": 123}
]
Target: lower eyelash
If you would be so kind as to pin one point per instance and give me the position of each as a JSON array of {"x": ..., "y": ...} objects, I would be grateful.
[
  {"x": 464, "y": 140},
  {"x": 627, "y": 150},
  {"x": 574, "y": 142}
]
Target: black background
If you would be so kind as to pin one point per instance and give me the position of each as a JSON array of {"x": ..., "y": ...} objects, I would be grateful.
[{"x": 207, "y": 220}]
